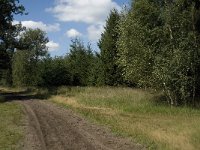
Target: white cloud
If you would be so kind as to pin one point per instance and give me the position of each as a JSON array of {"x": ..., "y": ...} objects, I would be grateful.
[
  {"x": 73, "y": 33},
  {"x": 94, "y": 32},
  {"x": 87, "y": 11},
  {"x": 52, "y": 46},
  {"x": 34, "y": 24}
]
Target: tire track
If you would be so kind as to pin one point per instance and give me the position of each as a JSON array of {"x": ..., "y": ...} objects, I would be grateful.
[
  {"x": 35, "y": 133},
  {"x": 54, "y": 128}
]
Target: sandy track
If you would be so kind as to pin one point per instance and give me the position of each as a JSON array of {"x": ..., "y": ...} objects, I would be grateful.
[{"x": 51, "y": 127}]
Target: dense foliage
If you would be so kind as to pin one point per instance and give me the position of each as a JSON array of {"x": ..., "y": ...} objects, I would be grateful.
[
  {"x": 159, "y": 47},
  {"x": 8, "y": 34},
  {"x": 152, "y": 44},
  {"x": 25, "y": 67},
  {"x": 108, "y": 47}
]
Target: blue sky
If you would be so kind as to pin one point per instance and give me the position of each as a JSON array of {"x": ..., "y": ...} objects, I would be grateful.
[{"x": 63, "y": 20}]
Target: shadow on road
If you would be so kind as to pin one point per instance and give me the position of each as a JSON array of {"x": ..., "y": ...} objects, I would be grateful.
[{"x": 22, "y": 95}]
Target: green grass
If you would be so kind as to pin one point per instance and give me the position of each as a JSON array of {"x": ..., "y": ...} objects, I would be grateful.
[
  {"x": 133, "y": 113},
  {"x": 11, "y": 131},
  {"x": 137, "y": 114}
]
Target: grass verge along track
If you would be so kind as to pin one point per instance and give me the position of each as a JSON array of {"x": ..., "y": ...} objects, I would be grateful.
[{"x": 136, "y": 114}]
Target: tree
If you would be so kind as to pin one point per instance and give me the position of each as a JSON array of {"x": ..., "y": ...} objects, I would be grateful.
[
  {"x": 54, "y": 72},
  {"x": 34, "y": 40},
  {"x": 22, "y": 69},
  {"x": 177, "y": 65},
  {"x": 108, "y": 50},
  {"x": 79, "y": 62},
  {"x": 140, "y": 39},
  {"x": 96, "y": 72},
  {"x": 8, "y": 33},
  {"x": 159, "y": 47},
  {"x": 26, "y": 62}
]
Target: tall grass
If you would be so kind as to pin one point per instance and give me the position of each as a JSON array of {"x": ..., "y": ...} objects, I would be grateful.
[
  {"x": 11, "y": 132},
  {"x": 137, "y": 114},
  {"x": 11, "y": 121}
]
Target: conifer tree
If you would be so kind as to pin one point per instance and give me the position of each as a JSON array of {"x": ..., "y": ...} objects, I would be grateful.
[
  {"x": 108, "y": 50},
  {"x": 79, "y": 62}
]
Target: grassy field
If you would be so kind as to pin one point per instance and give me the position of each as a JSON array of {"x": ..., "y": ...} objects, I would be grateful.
[
  {"x": 11, "y": 133},
  {"x": 11, "y": 116},
  {"x": 133, "y": 113},
  {"x": 137, "y": 114}
]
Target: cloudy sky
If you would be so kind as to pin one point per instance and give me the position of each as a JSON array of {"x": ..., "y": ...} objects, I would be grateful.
[{"x": 63, "y": 20}]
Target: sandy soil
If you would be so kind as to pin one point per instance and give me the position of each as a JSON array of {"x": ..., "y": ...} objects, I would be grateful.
[{"x": 50, "y": 127}]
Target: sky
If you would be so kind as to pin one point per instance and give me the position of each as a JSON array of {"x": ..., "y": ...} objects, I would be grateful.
[{"x": 64, "y": 20}]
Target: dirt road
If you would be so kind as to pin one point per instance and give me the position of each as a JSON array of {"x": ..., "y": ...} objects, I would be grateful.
[{"x": 50, "y": 127}]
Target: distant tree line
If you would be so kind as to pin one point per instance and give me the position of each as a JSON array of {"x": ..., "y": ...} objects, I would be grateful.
[{"x": 150, "y": 44}]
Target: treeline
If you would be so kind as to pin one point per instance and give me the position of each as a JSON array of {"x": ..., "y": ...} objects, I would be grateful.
[
  {"x": 155, "y": 44},
  {"x": 150, "y": 44},
  {"x": 77, "y": 68}
]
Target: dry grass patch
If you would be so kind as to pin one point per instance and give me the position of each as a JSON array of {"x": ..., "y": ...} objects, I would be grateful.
[
  {"x": 11, "y": 89},
  {"x": 73, "y": 103},
  {"x": 162, "y": 131}
]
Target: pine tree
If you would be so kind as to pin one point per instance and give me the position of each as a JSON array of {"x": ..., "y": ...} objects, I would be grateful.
[
  {"x": 108, "y": 50},
  {"x": 79, "y": 62}
]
